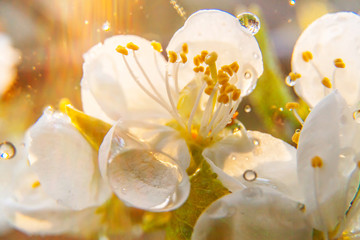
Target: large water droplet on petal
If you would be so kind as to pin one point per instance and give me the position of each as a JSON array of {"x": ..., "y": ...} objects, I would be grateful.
[
  {"x": 250, "y": 22},
  {"x": 148, "y": 180},
  {"x": 7, "y": 150},
  {"x": 289, "y": 81}
]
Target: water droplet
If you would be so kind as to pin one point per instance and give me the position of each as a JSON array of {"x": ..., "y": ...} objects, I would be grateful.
[
  {"x": 250, "y": 22},
  {"x": 250, "y": 175},
  {"x": 7, "y": 150},
  {"x": 247, "y": 75},
  {"x": 233, "y": 157},
  {"x": 256, "y": 142},
  {"x": 289, "y": 81},
  {"x": 255, "y": 55},
  {"x": 292, "y": 2},
  {"x": 247, "y": 108},
  {"x": 106, "y": 26},
  {"x": 356, "y": 115}
]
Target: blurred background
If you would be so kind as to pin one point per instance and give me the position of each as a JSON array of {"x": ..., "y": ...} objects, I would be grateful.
[{"x": 50, "y": 38}]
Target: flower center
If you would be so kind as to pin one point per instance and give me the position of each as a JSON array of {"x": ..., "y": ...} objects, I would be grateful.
[{"x": 209, "y": 100}]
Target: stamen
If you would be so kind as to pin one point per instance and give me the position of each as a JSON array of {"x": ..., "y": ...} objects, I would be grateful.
[
  {"x": 317, "y": 162},
  {"x": 208, "y": 111},
  {"x": 339, "y": 63},
  {"x": 207, "y": 71},
  {"x": 209, "y": 89},
  {"x": 185, "y": 48},
  {"x": 235, "y": 67},
  {"x": 326, "y": 82},
  {"x": 197, "y": 60},
  {"x": 227, "y": 68},
  {"x": 293, "y": 76},
  {"x": 172, "y": 56},
  {"x": 292, "y": 106},
  {"x": 208, "y": 80},
  {"x": 157, "y": 46},
  {"x": 296, "y": 136},
  {"x": 196, "y": 105},
  {"x": 222, "y": 77},
  {"x": 203, "y": 55},
  {"x": 307, "y": 56},
  {"x": 35, "y": 184},
  {"x": 132, "y": 46},
  {"x": 230, "y": 88},
  {"x": 63, "y": 103},
  {"x": 183, "y": 57},
  {"x": 211, "y": 58},
  {"x": 122, "y": 50},
  {"x": 236, "y": 94},
  {"x": 223, "y": 98}
]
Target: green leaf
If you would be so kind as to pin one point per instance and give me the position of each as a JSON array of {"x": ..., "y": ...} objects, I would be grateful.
[
  {"x": 205, "y": 189},
  {"x": 93, "y": 129}
]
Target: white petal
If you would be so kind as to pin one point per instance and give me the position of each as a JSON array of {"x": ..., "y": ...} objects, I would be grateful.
[
  {"x": 31, "y": 211},
  {"x": 65, "y": 162},
  {"x": 8, "y": 60},
  {"x": 334, "y": 35},
  {"x": 253, "y": 213},
  {"x": 138, "y": 172},
  {"x": 215, "y": 30},
  {"x": 271, "y": 159},
  {"x": 331, "y": 133},
  {"x": 108, "y": 82}
]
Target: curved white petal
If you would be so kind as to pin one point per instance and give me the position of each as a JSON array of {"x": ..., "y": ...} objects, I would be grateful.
[
  {"x": 8, "y": 59},
  {"x": 215, "y": 30},
  {"x": 32, "y": 211},
  {"x": 107, "y": 80},
  {"x": 334, "y": 35},
  {"x": 253, "y": 213},
  {"x": 332, "y": 134},
  {"x": 65, "y": 162},
  {"x": 139, "y": 161},
  {"x": 272, "y": 160}
]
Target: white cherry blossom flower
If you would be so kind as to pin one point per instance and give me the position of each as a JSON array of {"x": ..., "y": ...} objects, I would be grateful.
[
  {"x": 168, "y": 108},
  {"x": 325, "y": 58},
  {"x": 328, "y": 167}
]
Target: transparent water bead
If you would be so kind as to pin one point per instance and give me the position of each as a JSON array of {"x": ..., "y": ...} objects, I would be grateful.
[
  {"x": 247, "y": 108},
  {"x": 7, "y": 150},
  {"x": 106, "y": 26},
  {"x": 250, "y": 175},
  {"x": 148, "y": 180},
  {"x": 289, "y": 81},
  {"x": 356, "y": 115},
  {"x": 250, "y": 22}
]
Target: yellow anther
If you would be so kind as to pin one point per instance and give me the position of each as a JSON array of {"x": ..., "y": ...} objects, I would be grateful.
[
  {"x": 227, "y": 68},
  {"x": 157, "y": 46},
  {"x": 35, "y": 184},
  {"x": 201, "y": 69},
  {"x": 132, "y": 46},
  {"x": 358, "y": 164},
  {"x": 183, "y": 57},
  {"x": 317, "y": 162},
  {"x": 229, "y": 88},
  {"x": 197, "y": 60},
  {"x": 223, "y": 98},
  {"x": 235, "y": 67},
  {"x": 208, "y": 90},
  {"x": 185, "y": 48},
  {"x": 172, "y": 56},
  {"x": 196, "y": 69},
  {"x": 223, "y": 87},
  {"x": 339, "y": 63},
  {"x": 326, "y": 82},
  {"x": 295, "y": 137},
  {"x": 307, "y": 56},
  {"x": 203, "y": 55},
  {"x": 122, "y": 50},
  {"x": 222, "y": 77},
  {"x": 207, "y": 71},
  {"x": 63, "y": 103},
  {"x": 211, "y": 58},
  {"x": 208, "y": 80},
  {"x": 293, "y": 76},
  {"x": 236, "y": 94},
  {"x": 292, "y": 105}
]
